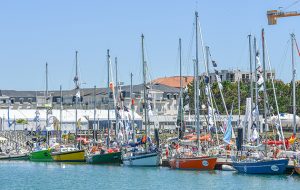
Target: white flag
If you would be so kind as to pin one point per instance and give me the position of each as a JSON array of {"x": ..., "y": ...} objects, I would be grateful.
[
  {"x": 260, "y": 80},
  {"x": 218, "y": 78},
  {"x": 261, "y": 88},
  {"x": 78, "y": 94},
  {"x": 220, "y": 86}
]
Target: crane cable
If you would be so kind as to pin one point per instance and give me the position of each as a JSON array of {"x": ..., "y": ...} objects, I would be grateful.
[{"x": 291, "y": 5}]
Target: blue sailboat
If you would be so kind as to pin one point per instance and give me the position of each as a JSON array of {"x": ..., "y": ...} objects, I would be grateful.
[{"x": 273, "y": 166}]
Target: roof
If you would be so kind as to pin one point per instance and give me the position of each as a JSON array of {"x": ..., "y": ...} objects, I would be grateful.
[{"x": 174, "y": 81}]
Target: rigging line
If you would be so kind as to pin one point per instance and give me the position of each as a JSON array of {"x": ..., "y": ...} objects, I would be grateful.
[
  {"x": 188, "y": 58},
  {"x": 284, "y": 57},
  {"x": 297, "y": 46},
  {"x": 275, "y": 97},
  {"x": 147, "y": 65},
  {"x": 291, "y": 5}
]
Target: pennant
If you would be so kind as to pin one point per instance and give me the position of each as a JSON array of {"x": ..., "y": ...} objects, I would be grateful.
[
  {"x": 260, "y": 80},
  {"x": 206, "y": 79},
  {"x": 220, "y": 86},
  {"x": 77, "y": 94},
  {"x": 214, "y": 63},
  {"x": 261, "y": 88},
  {"x": 218, "y": 78},
  {"x": 254, "y": 135},
  {"x": 206, "y": 91}
]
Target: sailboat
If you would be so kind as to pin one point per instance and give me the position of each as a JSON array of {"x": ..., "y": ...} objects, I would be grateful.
[
  {"x": 263, "y": 165},
  {"x": 111, "y": 155},
  {"x": 192, "y": 161},
  {"x": 43, "y": 154},
  {"x": 146, "y": 156},
  {"x": 71, "y": 154}
]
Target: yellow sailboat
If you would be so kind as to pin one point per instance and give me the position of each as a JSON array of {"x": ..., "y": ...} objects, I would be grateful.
[
  {"x": 69, "y": 155},
  {"x": 72, "y": 154}
]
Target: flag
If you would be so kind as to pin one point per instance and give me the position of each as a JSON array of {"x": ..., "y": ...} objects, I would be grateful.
[
  {"x": 260, "y": 80},
  {"x": 111, "y": 86},
  {"x": 214, "y": 63},
  {"x": 218, "y": 78},
  {"x": 126, "y": 109},
  {"x": 206, "y": 79},
  {"x": 206, "y": 91},
  {"x": 220, "y": 86},
  {"x": 254, "y": 135},
  {"x": 228, "y": 132},
  {"x": 261, "y": 89},
  {"x": 79, "y": 123},
  {"x": 78, "y": 94},
  {"x": 217, "y": 72}
]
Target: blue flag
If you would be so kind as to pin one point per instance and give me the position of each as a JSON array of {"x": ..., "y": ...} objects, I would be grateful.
[{"x": 228, "y": 132}]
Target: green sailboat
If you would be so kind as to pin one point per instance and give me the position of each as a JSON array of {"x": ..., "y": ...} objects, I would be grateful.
[
  {"x": 106, "y": 158},
  {"x": 40, "y": 156},
  {"x": 44, "y": 154},
  {"x": 110, "y": 156}
]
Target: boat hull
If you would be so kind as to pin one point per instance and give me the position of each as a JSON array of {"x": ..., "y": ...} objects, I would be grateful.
[
  {"x": 146, "y": 159},
  {"x": 108, "y": 158},
  {"x": 196, "y": 163},
  {"x": 262, "y": 167},
  {"x": 40, "y": 156},
  {"x": 15, "y": 157},
  {"x": 297, "y": 169},
  {"x": 70, "y": 156}
]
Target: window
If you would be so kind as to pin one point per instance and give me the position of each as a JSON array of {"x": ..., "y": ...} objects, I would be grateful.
[
  {"x": 29, "y": 100},
  {"x": 21, "y": 100}
]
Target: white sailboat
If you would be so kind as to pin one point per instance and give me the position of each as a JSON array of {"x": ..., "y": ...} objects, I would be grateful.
[{"x": 147, "y": 156}]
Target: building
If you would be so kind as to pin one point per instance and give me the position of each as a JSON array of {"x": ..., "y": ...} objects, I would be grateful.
[{"x": 235, "y": 75}]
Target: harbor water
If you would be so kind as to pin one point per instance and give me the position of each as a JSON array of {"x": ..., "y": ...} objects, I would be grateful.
[{"x": 31, "y": 175}]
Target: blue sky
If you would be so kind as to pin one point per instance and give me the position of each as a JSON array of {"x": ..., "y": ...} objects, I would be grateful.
[{"x": 34, "y": 32}]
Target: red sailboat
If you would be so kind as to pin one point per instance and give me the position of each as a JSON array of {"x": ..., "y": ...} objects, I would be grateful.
[{"x": 191, "y": 160}]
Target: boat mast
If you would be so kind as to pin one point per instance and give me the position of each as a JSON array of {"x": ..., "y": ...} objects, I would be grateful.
[
  {"x": 76, "y": 78},
  {"x": 294, "y": 85},
  {"x": 181, "y": 100},
  {"x": 197, "y": 86},
  {"x": 145, "y": 95},
  {"x": 46, "y": 106},
  {"x": 256, "y": 85},
  {"x": 117, "y": 97},
  {"x": 94, "y": 123},
  {"x": 251, "y": 80},
  {"x": 60, "y": 112},
  {"x": 132, "y": 108},
  {"x": 239, "y": 98},
  {"x": 108, "y": 94},
  {"x": 265, "y": 89}
]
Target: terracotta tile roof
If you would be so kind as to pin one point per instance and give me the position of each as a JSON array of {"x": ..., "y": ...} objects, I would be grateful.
[{"x": 173, "y": 81}]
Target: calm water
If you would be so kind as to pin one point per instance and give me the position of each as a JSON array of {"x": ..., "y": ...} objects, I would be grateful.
[{"x": 30, "y": 175}]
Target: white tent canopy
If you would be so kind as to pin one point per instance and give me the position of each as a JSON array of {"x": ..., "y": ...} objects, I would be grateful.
[{"x": 68, "y": 116}]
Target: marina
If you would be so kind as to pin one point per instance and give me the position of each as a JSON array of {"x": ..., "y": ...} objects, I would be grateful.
[{"x": 145, "y": 106}]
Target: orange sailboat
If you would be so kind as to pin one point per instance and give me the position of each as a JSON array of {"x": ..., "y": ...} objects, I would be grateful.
[
  {"x": 194, "y": 160},
  {"x": 194, "y": 163}
]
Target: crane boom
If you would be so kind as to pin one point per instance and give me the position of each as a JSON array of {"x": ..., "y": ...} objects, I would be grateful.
[{"x": 274, "y": 14}]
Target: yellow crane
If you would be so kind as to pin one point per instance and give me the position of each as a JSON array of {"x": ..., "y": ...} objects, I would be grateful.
[{"x": 274, "y": 14}]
